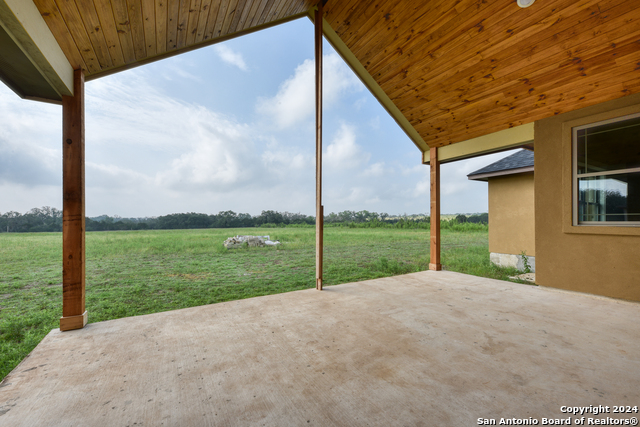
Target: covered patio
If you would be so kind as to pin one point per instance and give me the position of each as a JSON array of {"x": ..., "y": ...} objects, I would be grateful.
[
  {"x": 429, "y": 348},
  {"x": 461, "y": 78}
]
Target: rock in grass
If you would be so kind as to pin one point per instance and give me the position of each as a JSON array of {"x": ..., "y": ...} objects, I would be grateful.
[{"x": 251, "y": 241}]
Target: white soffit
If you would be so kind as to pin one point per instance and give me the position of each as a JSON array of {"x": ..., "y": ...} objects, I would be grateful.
[
  {"x": 23, "y": 22},
  {"x": 498, "y": 141}
]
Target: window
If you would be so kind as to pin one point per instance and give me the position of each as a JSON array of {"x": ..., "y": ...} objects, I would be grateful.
[{"x": 606, "y": 172}]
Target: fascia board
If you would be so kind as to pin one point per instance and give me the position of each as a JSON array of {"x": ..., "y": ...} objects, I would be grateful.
[{"x": 23, "y": 22}]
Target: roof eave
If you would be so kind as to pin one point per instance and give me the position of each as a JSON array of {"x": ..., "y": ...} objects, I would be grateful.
[{"x": 486, "y": 176}]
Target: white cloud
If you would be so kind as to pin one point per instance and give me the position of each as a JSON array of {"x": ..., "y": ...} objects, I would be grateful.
[
  {"x": 350, "y": 195},
  {"x": 376, "y": 170},
  {"x": 295, "y": 100},
  {"x": 30, "y": 141},
  {"x": 343, "y": 152},
  {"x": 214, "y": 161},
  {"x": 152, "y": 153},
  {"x": 180, "y": 71},
  {"x": 278, "y": 159},
  {"x": 110, "y": 176},
  {"x": 230, "y": 57},
  {"x": 22, "y": 198},
  {"x": 195, "y": 147},
  {"x": 422, "y": 188}
]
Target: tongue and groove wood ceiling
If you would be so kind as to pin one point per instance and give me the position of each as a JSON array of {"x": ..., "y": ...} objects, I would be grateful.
[
  {"x": 456, "y": 69},
  {"x": 104, "y": 35},
  {"x": 459, "y": 69}
]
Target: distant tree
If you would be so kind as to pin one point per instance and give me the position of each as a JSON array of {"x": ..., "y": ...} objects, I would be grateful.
[
  {"x": 227, "y": 219},
  {"x": 10, "y": 221},
  {"x": 245, "y": 220},
  {"x": 331, "y": 218},
  {"x": 479, "y": 218},
  {"x": 270, "y": 217}
]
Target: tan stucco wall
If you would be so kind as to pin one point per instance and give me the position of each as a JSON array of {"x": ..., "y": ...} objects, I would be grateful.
[
  {"x": 593, "y": 259},
  {"x": 512, "y": 214}
]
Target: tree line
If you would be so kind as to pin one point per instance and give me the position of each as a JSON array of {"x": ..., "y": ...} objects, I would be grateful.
[{"x": 50, "y": 219}]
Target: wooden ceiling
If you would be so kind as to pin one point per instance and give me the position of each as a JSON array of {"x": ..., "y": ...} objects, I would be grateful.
[
  {"x": 456, "y": 69},
  {"x": 459, "y": 69},
  {"x": 108, "y": 35}
]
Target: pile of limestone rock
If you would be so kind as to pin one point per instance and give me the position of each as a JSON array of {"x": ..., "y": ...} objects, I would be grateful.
[{"x": 251, "y": 241}]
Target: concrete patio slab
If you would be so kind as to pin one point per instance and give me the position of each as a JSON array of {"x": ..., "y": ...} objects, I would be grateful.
[{"x": 423, "y": 349}]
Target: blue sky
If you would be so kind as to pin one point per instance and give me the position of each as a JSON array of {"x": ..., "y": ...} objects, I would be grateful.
[{"x": 228, "y": 127}]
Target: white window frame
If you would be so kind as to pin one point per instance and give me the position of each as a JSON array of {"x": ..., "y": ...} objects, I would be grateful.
[{"x": 576, "y": 176}]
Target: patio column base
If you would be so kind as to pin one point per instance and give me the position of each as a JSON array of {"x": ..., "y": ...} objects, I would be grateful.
[
  {"x": 435, "y": 267},
  {"x": 73, "y": 322}
]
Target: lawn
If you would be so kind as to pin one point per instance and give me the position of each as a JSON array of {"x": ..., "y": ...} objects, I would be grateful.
[{"x": 131, "y": 273}]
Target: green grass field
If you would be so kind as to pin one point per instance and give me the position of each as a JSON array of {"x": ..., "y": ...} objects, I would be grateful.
[{"x": 131, "y": 273}]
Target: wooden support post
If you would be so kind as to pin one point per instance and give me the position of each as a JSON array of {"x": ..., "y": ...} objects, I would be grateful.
[
  {"x": 319, "y": 207},
  {"x": 434, "y": 166},
  {"x": 74, "y": 315}
]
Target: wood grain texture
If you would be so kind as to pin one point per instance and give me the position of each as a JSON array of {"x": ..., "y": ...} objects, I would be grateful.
[
  {"x": 272, "y": 13},
  {"x": 73, "y": 213},
  {"x": 173, "y": 14},
  {"x": 222, "y": 14},
  {"x": 183, "y": 23},
  {"x": 434, "y": 183},
  {"x": 205, "y": 8},
  {"x": 211, "y": 19},
  {"x": 194, "y": 17},
  {"x": 318, "y": 95},
  {"x": 121, "y": 15},
  {"x": 229, "y": 15},
  {"x": 281, "y": 10},
  {"x": 456, "y": 69},
  {"x": 104, "y": 36},
  {"x": 251, "y": 13},
  {"x": 161, "y": 25},
  {"x": 69, "y": 12},
  {"x": 149, "y": 26},
  {"x": 459, "y": 69},
  {"x": 51, "y": 14},
  {"x": 110, "y": 32},
  {"x": 240, "y": 10},
  {"x": 70, "y": 323},
  {"x": 91, "y": 21},
  {"x": 526, "y": 58},
  {"x": 264, "y": 5},
  {"x": 136, "y": 21},
  {"x": 521, "y": 48}
]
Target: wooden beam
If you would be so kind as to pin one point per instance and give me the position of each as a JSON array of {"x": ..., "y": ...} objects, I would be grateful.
[
  {"x": 494, "y": 142},
  {"x": 434, "y": 165},
  {"x": 319, "y": 208},
  {"x": 74, "y": 315}
]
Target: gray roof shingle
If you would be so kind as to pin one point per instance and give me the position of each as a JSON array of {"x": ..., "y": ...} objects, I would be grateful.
[{"x": 521, "y": 159}]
